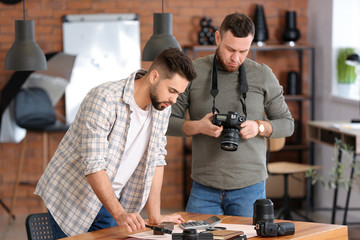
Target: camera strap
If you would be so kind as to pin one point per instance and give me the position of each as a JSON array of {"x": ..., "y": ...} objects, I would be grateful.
[
  {"x": 214, "y": 85},
  {"x": 214, "y": 89}
]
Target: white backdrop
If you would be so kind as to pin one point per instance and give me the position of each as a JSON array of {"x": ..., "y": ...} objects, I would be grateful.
[{"x": 107, "y": 47}]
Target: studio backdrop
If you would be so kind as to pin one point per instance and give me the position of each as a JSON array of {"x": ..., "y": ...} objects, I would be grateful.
[{"x": 107, "y": 48}]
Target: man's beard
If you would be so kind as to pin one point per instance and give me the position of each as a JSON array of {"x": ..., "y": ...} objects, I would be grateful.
[
  {"x": 220, "y": 60},
  {"x": 155, "y": 99},
  {"x": 155, "y": 102}
]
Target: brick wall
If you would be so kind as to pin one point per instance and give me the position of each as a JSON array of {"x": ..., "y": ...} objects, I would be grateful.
[{"x": 47, "y": 15}]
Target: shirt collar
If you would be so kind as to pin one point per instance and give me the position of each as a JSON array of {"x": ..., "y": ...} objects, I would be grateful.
[{"x": 129, "y": 85}]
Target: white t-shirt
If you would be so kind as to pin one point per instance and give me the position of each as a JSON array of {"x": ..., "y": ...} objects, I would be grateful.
[{"x": 136, "y": 144}]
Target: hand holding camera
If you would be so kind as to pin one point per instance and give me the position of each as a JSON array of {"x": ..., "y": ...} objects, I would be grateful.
[{"x": 231, "y": 123}]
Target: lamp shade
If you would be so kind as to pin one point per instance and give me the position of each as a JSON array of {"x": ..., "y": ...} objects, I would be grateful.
[
  {"x": 353, "y": 60},
  {"x": 162, "y": 37},
  {"x": 25, "y": 54}
]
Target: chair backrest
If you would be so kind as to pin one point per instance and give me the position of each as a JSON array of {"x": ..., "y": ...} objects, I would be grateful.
[
  {"x": 38, "y": 227},
  {"x": 273, "y": 145}
]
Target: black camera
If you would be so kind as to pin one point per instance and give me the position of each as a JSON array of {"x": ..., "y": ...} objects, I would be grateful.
[
  {"x": 192, "y": 234},
  {"x": 263, "y": 219},
  {"x": 231, "y": 123},
  {"x": 267, "y": 229}
]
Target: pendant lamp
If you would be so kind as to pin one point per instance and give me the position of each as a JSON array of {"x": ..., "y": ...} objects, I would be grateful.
[
  {"x": 162, "y": 37},
  {"x": 25, "y": 54},
  {"x": 353, "y": 60}
]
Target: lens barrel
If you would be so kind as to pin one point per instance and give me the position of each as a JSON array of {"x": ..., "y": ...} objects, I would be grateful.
[
  {"x": 230, "y": 139},
  {"x": 263, "y": 211}
]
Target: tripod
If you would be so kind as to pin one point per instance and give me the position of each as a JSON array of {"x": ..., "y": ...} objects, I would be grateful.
[
  {"x": 7, "y": 209},
  {"x": 7, "y": 94}
]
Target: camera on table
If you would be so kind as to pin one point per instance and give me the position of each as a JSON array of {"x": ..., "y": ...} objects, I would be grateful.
[
  {"x": 192, "y": 234},
  {"x": 266, "y": 229},
  {"x": 263, "y": 219},
  {"x": 231, "y": 123}
]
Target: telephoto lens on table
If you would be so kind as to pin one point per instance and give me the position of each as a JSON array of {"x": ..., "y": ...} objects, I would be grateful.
[{"x": 263, "y": 219}]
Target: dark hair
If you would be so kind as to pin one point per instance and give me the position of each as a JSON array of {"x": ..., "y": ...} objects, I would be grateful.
[
  {"x": 172, "y": 61},
  {"x": 239, "y": 24}
]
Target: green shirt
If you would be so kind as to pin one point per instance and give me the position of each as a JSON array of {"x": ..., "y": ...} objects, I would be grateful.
[{"x": 212, "y": 166}]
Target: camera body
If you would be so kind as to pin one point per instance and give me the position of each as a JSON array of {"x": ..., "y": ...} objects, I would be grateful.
[
  {"x": 231, "y": 123},
  {"x": 192, "y": 234},
  {"x": 229, "y": 120},
  {"x": 268, "y": 229}
]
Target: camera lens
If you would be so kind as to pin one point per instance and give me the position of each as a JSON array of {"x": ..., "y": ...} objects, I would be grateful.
[
  {"x": 190, "y": 234},
  {"x": 263, "y": 211},
  {"x": 230, "y": 139}
]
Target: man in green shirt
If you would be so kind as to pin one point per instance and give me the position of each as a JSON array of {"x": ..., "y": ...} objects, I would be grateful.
[{"x": 229, "y": 182}]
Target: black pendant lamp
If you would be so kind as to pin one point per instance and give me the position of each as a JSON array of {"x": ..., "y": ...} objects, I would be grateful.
[
  {"x": 353, "y": 60},
  {"x": 162, "y": 37},
  {"x": 25, "y": 54}
]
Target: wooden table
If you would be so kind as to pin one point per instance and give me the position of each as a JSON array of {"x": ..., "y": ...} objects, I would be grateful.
[
  {"x": 325, "y": 132},
  {"x": 303, "y": 230}
]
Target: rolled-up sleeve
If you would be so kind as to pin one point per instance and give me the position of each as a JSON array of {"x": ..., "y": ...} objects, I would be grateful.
[
  {"x": 96, "y": 124},
  {"x": 163, "y": 139}
]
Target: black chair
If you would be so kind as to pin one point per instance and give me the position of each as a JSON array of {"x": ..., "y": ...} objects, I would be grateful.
[{"x": 38, "y": 227}]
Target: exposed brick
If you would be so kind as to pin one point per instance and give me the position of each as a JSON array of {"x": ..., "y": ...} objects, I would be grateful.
[
  {"x": 104, "y": 5},
  {"x": 79, "y": 5}
]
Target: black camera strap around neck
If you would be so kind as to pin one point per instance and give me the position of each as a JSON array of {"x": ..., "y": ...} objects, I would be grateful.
[{"x": 214, "y": 85}]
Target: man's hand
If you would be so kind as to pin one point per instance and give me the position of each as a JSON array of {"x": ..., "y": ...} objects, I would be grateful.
[
  {"x": 102, "y": 187},
  {"x": 203, "y": 126},
  {"x": 175, "y": 218},
  {"x": 131, "y": 221},
  {"x": 249, "y": 129}
]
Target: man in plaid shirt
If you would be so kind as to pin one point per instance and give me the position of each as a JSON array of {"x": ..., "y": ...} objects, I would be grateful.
[{"x": 110, "y": 163}]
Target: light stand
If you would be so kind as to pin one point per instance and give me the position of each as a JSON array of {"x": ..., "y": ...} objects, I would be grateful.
[{"x": 7, "y": 209}]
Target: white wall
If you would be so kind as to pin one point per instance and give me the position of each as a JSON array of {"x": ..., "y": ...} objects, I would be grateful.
[{"x": 327, "y": 107}]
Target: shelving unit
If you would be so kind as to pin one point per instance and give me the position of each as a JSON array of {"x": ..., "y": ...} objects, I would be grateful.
[{"x": 305, "y": 96}]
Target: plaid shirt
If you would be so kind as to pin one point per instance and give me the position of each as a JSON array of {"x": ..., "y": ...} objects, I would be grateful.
[{"x": 96, "y": 141}]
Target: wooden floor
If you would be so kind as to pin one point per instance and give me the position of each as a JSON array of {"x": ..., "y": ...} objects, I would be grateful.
[{"x": 16, "y": 229}]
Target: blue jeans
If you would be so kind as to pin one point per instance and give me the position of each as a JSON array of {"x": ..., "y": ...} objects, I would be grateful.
[
  {"x": 102, "y": 220},
  {"x": 238, "y": 202}
]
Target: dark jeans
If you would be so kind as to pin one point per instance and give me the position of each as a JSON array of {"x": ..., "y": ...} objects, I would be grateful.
[{"x": 102, "y": 220}]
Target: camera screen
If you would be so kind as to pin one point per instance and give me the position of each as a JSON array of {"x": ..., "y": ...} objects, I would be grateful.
[{"x": 221, "y": 117}]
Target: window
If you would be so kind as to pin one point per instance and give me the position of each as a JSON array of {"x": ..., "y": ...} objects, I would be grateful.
[{"x": 346, "y": 40}]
